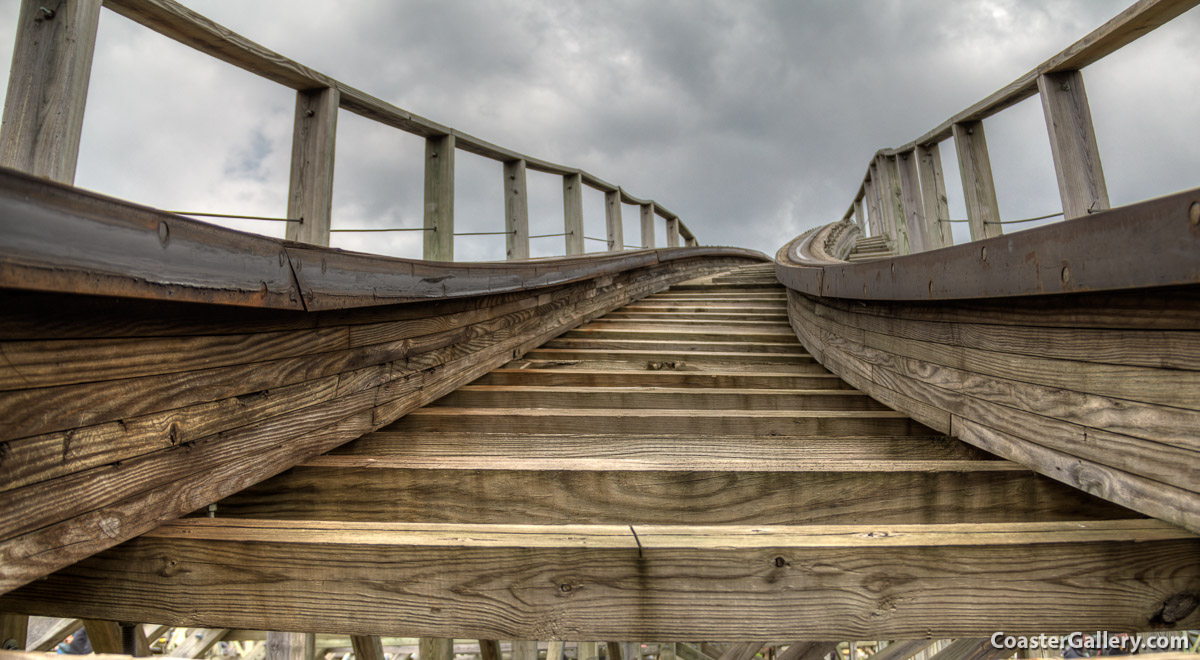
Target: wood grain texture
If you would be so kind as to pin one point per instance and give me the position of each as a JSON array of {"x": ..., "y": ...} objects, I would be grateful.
[
  {"x": 933, "y": 197},
  {"x": 314, "y": 140},
  {"x": 516, "y": 210},
  {"x": 573, "y": 213},
  {"x": 911, "y": 202},
  {"x": 647, "y": 225},
  {"x": 47, "y": 88},
  {"x": 975, "y": 171},
  {"x": 1081, "y": 184},
  {"x": 439, "y": 199}
]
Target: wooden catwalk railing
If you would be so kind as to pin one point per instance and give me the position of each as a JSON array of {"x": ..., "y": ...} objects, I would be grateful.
[{"x": 43, "y": 125}]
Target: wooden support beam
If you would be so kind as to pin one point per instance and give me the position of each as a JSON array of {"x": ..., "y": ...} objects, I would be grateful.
[
  {"x": 893, "y": 204},
  {"x": 104, "y": 636},
  {"x": 489, "y": 649},
  {"x": 290, "y": 645},
  {"x": 979, "y": 188},
  {"x": 672, "y": 232},
  {"x": 911, "y": 205},
  {"x": 554, "y": 650},
  {"x": 933, "y": 195},
  {"x": 808, "y": 651},
  {"x": 903, "y": 650},
  {"x": 648, "y": 225},
  {"x": 1073, "y": 143},
  {"x": 585, "y": 651},
  {"x": 871, "y": 195},
  {"x": 573, "y": 213},
  {"x": 314, "y": 137},
  {"x": 524, "y": 650},
  {"x": 860, "y": 217},
  {"x": 437, "y": 648},
  {"x": 14, "y": 631},
  {"x": 516, "y": 210},
  {"x": 47, "y": 87},
  {"x": 367, "y": 647},
  {"x": 742, "y": 651},
  {"x": 439, "y": 198},
  {"x": 689, "y": 652},
  {"x": 198, "y": 642},
  {"x": 666, "y": 651},
  {"x": 612, "y": 220},
  {"x": 614, "y": 651}
]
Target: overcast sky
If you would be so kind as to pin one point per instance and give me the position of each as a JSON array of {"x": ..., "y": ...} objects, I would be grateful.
[{"x": 751, "y": 120}]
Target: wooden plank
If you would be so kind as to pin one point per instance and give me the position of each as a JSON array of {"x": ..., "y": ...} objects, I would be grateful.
[
  {"x": 933, "y": 195},
  {"x": 979, "y": 189},
  {"x": 367, "y": 647},
  {"x": 742, "y": 651},
  {"x": 573, "y": 214},
  {"x": 1077, "y": 166},
  {"x": 614, "y": 651},
  {"x": 516, "y": 210},
  {"x": 903, "y": 650},
  {"x": 672, "y": 232},
  {"x": 911, "y": 202},
  {"x": 587, "y": 651},
  {"x": 104, "y": 636},
  {"x": 893, "y": 203},
  {"x": 693, "y": 379},
  {"x": 871, "y": 196},
  {"x": 290, "y": 645},
  {"x": 615, "y": 229},
  {"x": 647, "y": 220},
  {"x": 1028, "y": 570},
  {"x": 630, "y": 398},
  {"x": 436, "y": 648},
  {"x": 47, "y": 88},
  {"x": 524, "y": 650},
  {"x": 489, "y": 649},
  {"x": 439, "y": 199},
  {"x": 808, "y": 651},
  {"x": 314, "y": 138},
  {"x": 14, "y": 631},
  {"x": 971, "y": 649},
  {"x": 555, "y": 650},
  {"x": 199, "y": 641}
]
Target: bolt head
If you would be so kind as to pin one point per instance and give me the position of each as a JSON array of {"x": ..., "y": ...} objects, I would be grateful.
[{"x": 1194, "y": 213}]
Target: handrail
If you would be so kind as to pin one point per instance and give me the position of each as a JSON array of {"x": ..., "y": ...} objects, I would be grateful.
[
  {"x": 902, "y": 196},
  {"x": 61, "y": 48}
]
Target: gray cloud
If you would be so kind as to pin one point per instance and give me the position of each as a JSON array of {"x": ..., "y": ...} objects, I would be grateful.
[{"x": 752, "y": 120}]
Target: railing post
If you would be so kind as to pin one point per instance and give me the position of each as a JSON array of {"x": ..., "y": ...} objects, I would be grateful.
[
  {"x": 910, "y": 201},
  {"x": 648, "y": 225},
  {"x": 310, "y": 194},
  {"x": 290, "y": 645},
  {"x": 979, "y": 189},
  {"x": 933, "y": 192},
  {"x": 859, "y": 218},
  {"x": 516, "y": 210},
  {"x": 439, "y": 198},
  {"x": 672, "y": 232},
  {"x": 893, "y": 207},
  {"x": 573, "y": 212},
  {"x": 1073, "y": 143},
  {"x": 872, "y": 198},
  {"x": 47, "y": 87},
  {"x": 612, "y": 220}
]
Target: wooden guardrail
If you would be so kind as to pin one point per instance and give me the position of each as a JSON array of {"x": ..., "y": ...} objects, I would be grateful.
[
  {"x": 43, "y": 124},
  {"x": 903, "y": 194}
]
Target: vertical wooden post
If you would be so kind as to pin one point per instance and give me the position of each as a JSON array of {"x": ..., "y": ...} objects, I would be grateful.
[
  {"x": 648, "y": 225},
  {"x": 439, "y": 198},
  {"x": 489, "y": 649},
  {"x": 614, "y": 651},
  {"x": 933, "y": 194},
  {"x": 612, "y": 220},
  {"x": 47, "y": 87},
  {"x": 893, "y": 207},
  {"x": 672, "y": 232},
  {"x": 666, "y": 651},
  {"x": 524, "y": 650},
  {"x": 979, "y": 189},
  {"x": 910, "y": 201},
  {"x": 573, "y": 212},
  {"x": 290, "y": 645},
  {"x": 310, "y": 194},
  {"x": 104, "y": 636},
  {"x": 433, "y": 648},
  {"x": 859, "y": 218},
  {"x": 367, "y": 647},
  {"x": 872, "y": 198},
  {"x": 691, "y": 242},
  {"x": 554, "y": 650},
  {"x": 1073, "y": 143},
  {"x": 587, "y": 651},
  {"x": 14, "y": 632},
  {"x": 516, "y": 210}
]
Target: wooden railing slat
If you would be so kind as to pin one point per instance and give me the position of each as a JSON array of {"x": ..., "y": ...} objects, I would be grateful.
[
  {"x": 1073, "y": 144},
  {"x": 310, "y": 195}
]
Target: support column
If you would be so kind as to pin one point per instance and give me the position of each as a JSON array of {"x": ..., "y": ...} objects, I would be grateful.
[
  {"x": 524, "y": 650},
  {"x": 614, "y": 651},
  {"x": 648, "y": 225},
  {"x": 554, "y": 650},
  {"x": 47, "y": 87},
  {"x": 1073, "y": 143},
  {"x": 104, "y": 636},
  {"x": 489, "y": 649},
  {"x": 672, "y": 232},
  {"x": 516, "y": 210},
  {"x": 910, "y": 201},
  {"x": 979, "y": 189},
  {"x": 367, "y": 647},
  {"x": 612, "y": 220},
  {"x": 439, "y": 198},
  {"x": 586, "y": 651},
  {"x": 872, "y": 198},
  {"x": 290, "y": 645},
  {"x": 859, "y": 218},
  {"x": 933, "y": 194},
  {"x": 14, "y": 631},
  {"x": 310, "y": 194},
  {"x": 893, "y": 206},
  {"x": 573, "y": 212},
  {"x": 433, "y": 648}
]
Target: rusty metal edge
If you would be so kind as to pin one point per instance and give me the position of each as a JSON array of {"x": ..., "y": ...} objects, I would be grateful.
[
  {"x": 57, "y": 238},
  {"x": 1147, "y": 244}
]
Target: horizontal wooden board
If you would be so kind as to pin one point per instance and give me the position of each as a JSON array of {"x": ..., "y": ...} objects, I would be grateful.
[
  {"x": 475, "y": 396},
  {"x": 564, "y": 377}
]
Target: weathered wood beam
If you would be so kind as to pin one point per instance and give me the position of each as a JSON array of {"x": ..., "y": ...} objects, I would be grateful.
[
  {"x": 516, "y": 210},
  {"x": 1073, "y": 145},
  {"x": 489, "y": 649},
  {"x": 979, "y": 188},
  {"x": 199, "y": 641},
  {"x": 808, "y": 651},
  {"x": 672, "y": 232},
  {"x": 367, "y": 647},
  {"x": 893, "y": 203},
  {"x": 439, "y": 198},
  {"x": 314, "y": 139},
  {"x": 587, "y": 651},
  {"x": 290, "y": 645},
  {"x": 614, "y": 651},
  {"x": 903, "y": 650},
  {"x": 647, "y": 219},
  {"x": 612, "y": 220},
  {"x": 104, "y": 636},
  {"x": 871, "y": 196},
  {"x": 14, "y": 631},
  {"x": 573, "y": 214},
  {"x": 742, "y": 651},
  {"x": 554, "y": 650},
  {"x": 933, "y": 195},
  {"x": 436, "y": 648},
  {"x": 911, "y": 203},
  {"x": 47, "y": 87},
  {"x": 180, "y": 563},
  {"x": 524, "y": 650}
]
